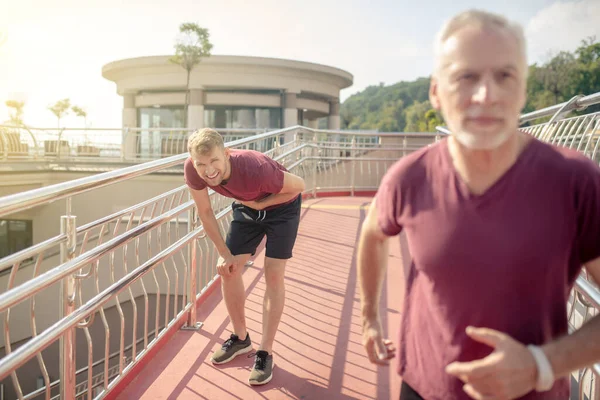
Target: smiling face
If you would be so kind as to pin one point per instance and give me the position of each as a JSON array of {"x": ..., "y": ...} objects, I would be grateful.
[
  {"x": 480, "y": 85},
  {"x": 213, "y": 166},
  {"x": 209, "y": 156}
]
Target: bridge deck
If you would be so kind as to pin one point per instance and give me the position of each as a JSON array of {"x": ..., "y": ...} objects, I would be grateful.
[{"x": 317, "y": 352}]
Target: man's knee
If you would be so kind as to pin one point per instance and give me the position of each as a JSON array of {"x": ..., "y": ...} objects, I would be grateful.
[
  {"x": 239, "y": 260},
  {"x": 274, "y": 272}
]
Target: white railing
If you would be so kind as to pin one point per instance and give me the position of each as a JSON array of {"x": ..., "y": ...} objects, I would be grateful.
[{"x": 96, "y": 144}]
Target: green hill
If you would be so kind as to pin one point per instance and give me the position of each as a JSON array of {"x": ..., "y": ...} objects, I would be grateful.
[{"x": 405, "y": 107}]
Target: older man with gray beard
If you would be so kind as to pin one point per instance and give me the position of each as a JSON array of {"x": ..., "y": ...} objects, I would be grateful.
[{"x": 498, "y": 225}]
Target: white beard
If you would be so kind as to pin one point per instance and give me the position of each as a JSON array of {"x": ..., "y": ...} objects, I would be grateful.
[{"x": 482, "y": 141}]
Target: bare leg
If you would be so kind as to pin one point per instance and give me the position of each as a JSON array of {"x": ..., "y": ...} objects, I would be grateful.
[
  {"x": 235, "y": 296},
  {"x": 273, "y": 301}
]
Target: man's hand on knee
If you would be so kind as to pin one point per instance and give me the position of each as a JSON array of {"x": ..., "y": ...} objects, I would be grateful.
[{"x": 225, "y": 265}]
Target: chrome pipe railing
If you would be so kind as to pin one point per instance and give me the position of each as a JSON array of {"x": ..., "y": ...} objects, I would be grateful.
[
  {"x": 42, "y": 341},
  {"x": 32, "y": 198},
  {"x": 344, "y": 162},
  {"x": 82, "y": 147},
  {"x": 577, "y": 103},
  {"x": 298, "y": 155},
  {"x": 22, "y": 143}
]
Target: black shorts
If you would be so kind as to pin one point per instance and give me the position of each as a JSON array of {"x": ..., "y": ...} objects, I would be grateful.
[
  {"x": 249, "y": 227},
  {"x": 408, "y": 393}
]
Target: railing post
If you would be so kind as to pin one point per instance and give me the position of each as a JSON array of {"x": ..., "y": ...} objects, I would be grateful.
[
  {"x": 67, "y": 306},
  {"x": 352, "y": 165},
  {"x": 4, "y": 142},
  {"x": 191, "y": 323},
  {"x": 124, "y": 139},
  {"x": 315, "y": 150}
]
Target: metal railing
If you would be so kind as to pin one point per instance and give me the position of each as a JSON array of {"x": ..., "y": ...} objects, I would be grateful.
[
  {"x": 126, "y": 279},
  {"x": 21, "y": 143},
  {"x": 141, "y": 269},
  {"x": 581, "y": 133},
  {"x": 557, "y": 111}
]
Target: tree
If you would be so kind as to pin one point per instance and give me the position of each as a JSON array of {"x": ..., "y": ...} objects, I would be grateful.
[
  {"x": 557, "y": 76},
  {"x": 433, "y": 120},
  {"x": 60, "y": 109},
  {"x": 415, "y": 117},
  {"x": 403, "y": 106},
  {"x": 16, "y": 118},
  {"x": 190, "y": 47},
  {"x": 80, "y": 112},
  {"x": 588, "y": 67}
]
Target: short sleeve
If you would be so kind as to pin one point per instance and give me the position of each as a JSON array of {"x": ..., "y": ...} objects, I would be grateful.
[
  {"x": 271, "y": 177},
  {"x": 588, "y": 210},
  {"x": 191, "y": 177},
  {"x": 387, "y": 201}
]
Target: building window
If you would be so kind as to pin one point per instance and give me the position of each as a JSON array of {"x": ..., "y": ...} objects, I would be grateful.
[
  {"x": 157, "y": 123},
  {"x": 161, "y": 117},
  {"x": 15, "y": 235},
  {"x": 220, "y": 117}
]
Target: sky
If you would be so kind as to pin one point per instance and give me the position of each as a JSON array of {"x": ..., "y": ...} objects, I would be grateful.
[{"x": 50, "y": 50}]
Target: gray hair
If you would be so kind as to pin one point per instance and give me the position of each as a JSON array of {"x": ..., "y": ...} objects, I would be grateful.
[{"x": 483, "y": 19}]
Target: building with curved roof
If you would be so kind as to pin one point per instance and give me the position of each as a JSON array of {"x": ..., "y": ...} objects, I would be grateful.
[{"x": 228, "y": 92}]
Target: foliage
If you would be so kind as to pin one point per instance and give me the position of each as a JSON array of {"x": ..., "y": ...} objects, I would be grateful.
[
  {"x": 60, "y": 109},
  {"x": 16, "y": 117},
  {"x": 405, "y": 107},
  {"x": 191, "y": 46}
]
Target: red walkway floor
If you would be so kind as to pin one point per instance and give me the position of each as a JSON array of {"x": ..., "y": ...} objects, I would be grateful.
[{"x": 317, "y": 352}]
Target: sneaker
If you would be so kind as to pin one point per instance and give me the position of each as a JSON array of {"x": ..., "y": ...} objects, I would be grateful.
[
  {"x": 231, "y": 348},
  {"x": 262, "y": 372}
]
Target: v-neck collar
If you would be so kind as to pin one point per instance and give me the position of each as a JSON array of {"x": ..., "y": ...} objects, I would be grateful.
[{"x": 462, "y": 186}]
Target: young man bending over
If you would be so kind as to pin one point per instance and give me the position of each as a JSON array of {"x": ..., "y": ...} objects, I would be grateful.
[{"x": 267, "y": 202}]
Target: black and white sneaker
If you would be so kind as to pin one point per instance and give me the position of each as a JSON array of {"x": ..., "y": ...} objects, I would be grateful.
[
  {"x": 262, "y": 372},
  {"x": 231, "y": 348}
]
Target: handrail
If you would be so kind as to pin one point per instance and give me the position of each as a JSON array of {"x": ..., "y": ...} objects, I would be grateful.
[
  {"x": 132, "y": 129},
  {"x": 588, "y": 291},
  {"x": 45, "y": 195},
  {"x": 18, "y": 294},
  {"x": 443, "y": 130},
  {"x": 32, "y": 198},
  {"x": 576, "y": 103},
  {"x": 579, "y": 104},
  {"x": 45, "y": 339}
]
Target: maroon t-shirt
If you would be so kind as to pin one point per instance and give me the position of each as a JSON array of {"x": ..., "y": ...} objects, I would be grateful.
[
  {"x": 254, "y": 176},
  {"x": 505, "y": 259}
]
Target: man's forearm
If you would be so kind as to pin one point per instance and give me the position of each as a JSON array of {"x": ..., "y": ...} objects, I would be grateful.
[
  {"x": 211, "y": 227},
  {"x": 578, "y": 350},
  {"x": 372, "y": 254},
  {"x": 278, "y": 198}
]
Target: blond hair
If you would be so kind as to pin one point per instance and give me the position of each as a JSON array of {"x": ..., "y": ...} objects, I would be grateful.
[
  {"x": 482, "y": 19},
  {"x": 203, "y": 141}
]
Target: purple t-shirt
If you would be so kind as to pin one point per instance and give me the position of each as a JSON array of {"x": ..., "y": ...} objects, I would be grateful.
[
  {"x": 254, "y": 176},
  {"x": 505, "y": 259}
]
